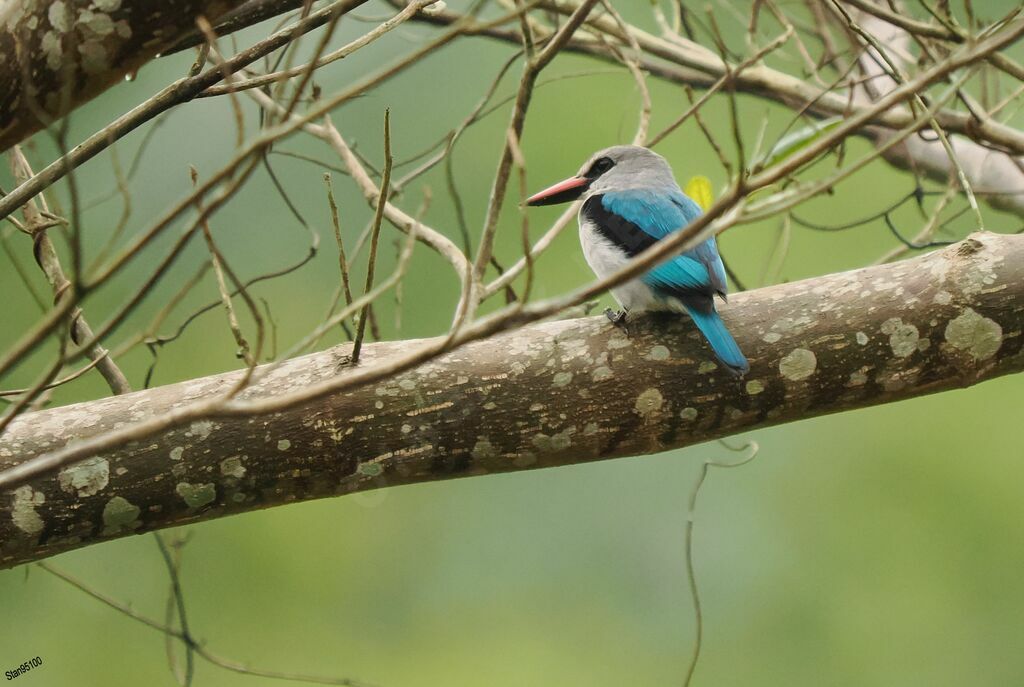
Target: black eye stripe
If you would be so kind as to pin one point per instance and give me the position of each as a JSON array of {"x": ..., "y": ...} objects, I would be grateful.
[{"x": 600, "y": 166}]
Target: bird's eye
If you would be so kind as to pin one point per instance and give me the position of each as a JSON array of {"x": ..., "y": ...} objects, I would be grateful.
[{"x": 600, "y": 166}]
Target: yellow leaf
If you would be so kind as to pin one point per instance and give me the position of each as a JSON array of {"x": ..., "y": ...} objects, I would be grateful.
[{"x": 699, "y": 189}]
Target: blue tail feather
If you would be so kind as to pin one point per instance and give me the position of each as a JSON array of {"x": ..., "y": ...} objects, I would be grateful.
[{"x": 722, "y": 343}]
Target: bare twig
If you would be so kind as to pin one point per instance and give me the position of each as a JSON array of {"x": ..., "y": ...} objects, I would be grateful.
[
  {"x": 49, "y": 263},
  {"x": 691, "y": 574},
  {"x": 378, "y": 216},
  {"x": 531, "y": 69},
  {"x": 199, "y": 650},
  {"x": 336, "y": 224}
]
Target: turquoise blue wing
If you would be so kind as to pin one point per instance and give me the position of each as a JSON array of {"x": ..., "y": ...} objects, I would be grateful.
[
  {"x": 680, "y": 275},
  {"x": 658, "y": 214}
]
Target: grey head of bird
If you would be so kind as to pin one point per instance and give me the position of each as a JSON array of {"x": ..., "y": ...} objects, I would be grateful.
[{"x": 612, "y": 169}]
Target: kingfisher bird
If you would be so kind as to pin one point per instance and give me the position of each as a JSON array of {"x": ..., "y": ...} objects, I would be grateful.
[{"x": 630, "y": 202}]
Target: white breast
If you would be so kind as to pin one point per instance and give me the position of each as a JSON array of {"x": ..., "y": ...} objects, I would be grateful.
[{"x": 605, "y": 258}]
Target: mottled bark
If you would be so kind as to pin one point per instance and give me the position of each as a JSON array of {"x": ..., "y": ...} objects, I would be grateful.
[
  {"x": 544, "y": 395},
  {"x": 56, "y": 55}
]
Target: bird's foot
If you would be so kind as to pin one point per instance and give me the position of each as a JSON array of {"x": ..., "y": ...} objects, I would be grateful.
[{"x": 618, "y": 318}]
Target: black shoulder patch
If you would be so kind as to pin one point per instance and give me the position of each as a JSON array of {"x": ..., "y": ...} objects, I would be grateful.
[{"x": 620, "y": 231}]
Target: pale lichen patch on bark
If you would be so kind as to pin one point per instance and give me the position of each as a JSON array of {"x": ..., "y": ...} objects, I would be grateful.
[
  {"x": 196, "y": 495},
  {"x": 858, "y": 378},
  {"x": 648, "y": 403},
  {"x": 617, "y": 341},
  {"x": 232, "y": 467},
  {"x": 903, "y": 337},
  {"x": 95, "y": 59},
  {"x": 284, "y": 445},
  {"x": 60, "y": 16},
  {"x": 657, "y": 353},
  {"x": 51, "y": 46},
  {"x": 86, "y": 478},
  {"x": 601, "y": 373},
  {"x": 572, "y": 349},
  {"x": 23, "y": 510},
  {"x": 754, "y": 387},
  {"x": 483, "y": 449},
  {"x": 798, "y": 364},
  {"x": 688, "y": 413},
  {"x": 554, "y": 442},
  {"x": 980, "y": 336},
  {"x": 370, "y": 469},
  {"x": 561, "y": 379},
  {"x": 200, "y": 429},
  {"x": 792, "y": 325},
  {"x": 120, "y": 514}
]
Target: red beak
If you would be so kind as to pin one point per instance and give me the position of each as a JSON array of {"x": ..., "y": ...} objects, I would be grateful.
[{"x": 562, "y": 192}]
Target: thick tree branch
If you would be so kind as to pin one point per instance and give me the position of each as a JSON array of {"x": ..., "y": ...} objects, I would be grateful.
[
  {"x": 545, "y": 395},
  {"x": 59, "y": 55},
  {"x": 247, "y": 14}
]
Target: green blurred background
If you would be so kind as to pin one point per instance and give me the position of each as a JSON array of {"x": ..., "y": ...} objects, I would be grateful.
[{"x": 874, "y": 547}]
